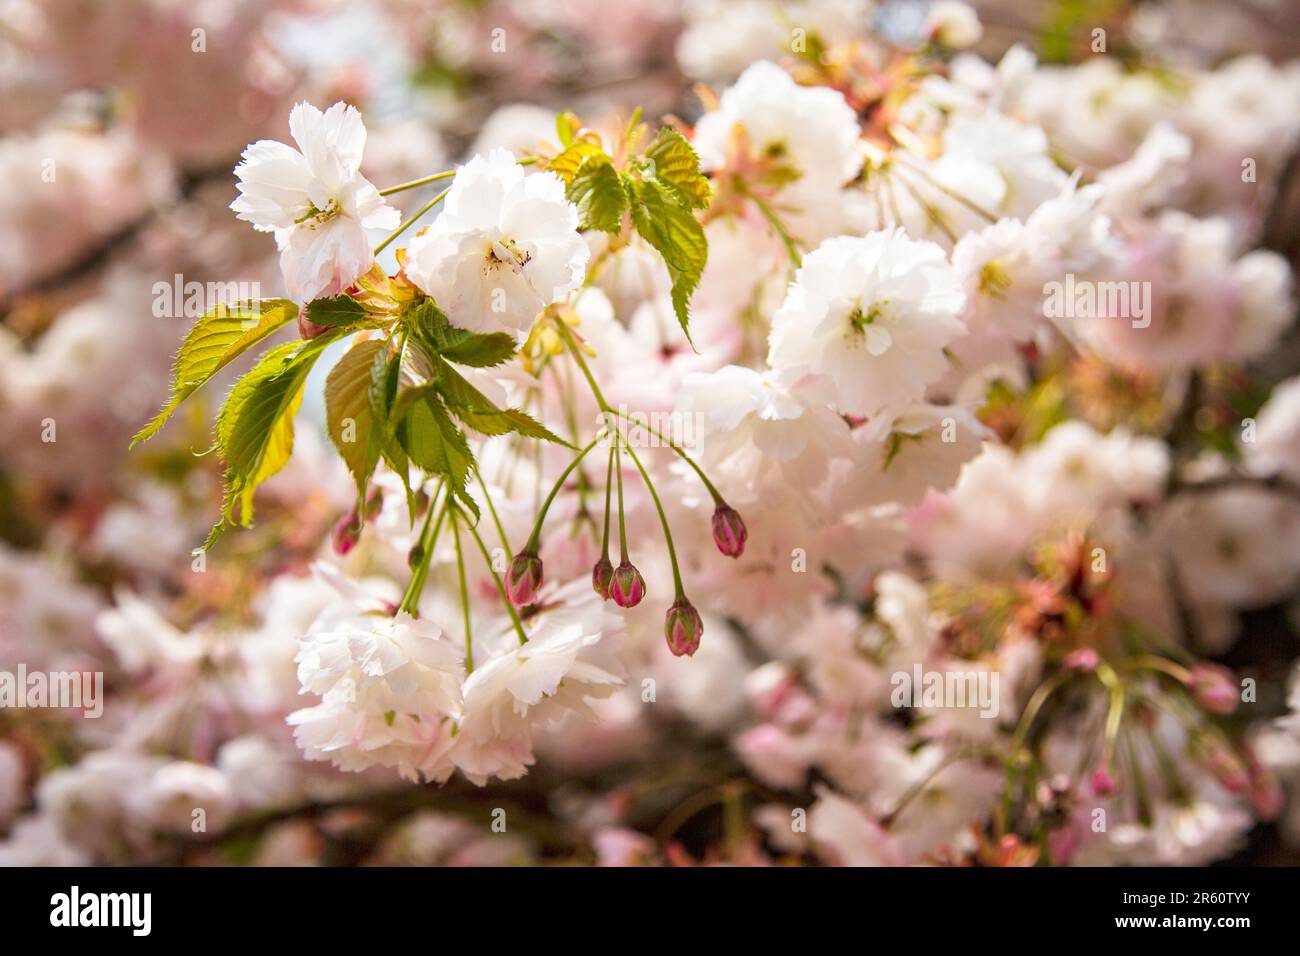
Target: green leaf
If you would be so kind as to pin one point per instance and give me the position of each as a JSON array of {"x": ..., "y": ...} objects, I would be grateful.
[
  {"x": 434, "y": 442},
  {"x": 677, "y": 167},
  {"x": 567, "y": 163},
  {"x": 347, "y": 410},
  {"x": 216, "y": 339},
  {"x": 336, "y": 312},
  {"x": 678, "y": 237},
  {"x": 598, "y": 193},
  {"x": 385, "y": 376},
  {"x": 436, "y": 333},
  {"x": 478, "y": 412},
  {"x": 255, "y": 425}
]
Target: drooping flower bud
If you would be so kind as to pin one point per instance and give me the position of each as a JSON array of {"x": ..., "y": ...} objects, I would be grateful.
[
  {"x": 683, "y": 627},
  {"x": 524, "y": 579},
  {"x": 1214, "y": 688},
  {"x": 729, "y": 531},
  {"x": 627, "y": 587},
  {"x": 601, "y": 576},
  {"x": 347, "y": 531},
  {"x": 1103, "y": 784}
]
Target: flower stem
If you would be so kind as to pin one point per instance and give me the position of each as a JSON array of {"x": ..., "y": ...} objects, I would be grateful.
[
  {"x": 679, "y": 591},
  {"x": 436, "y": 177},
  {"x": 427, "y": 539},
  {"x": 567, "y": 336},
  {"x": 464, "y": 596},
  {"x": 446, "y": 174},
  {"x": 534, "y": 539},
  {"x": 770, "y": 215},
  {"x": 622, "y": 529},
  {"x": 501, "y": 588},
  {"x": 609, "y": 481},
  {"x": 406, "y": 225},
  {"x": 717, "y": 496},
  {"x": 493, "y": 511}
]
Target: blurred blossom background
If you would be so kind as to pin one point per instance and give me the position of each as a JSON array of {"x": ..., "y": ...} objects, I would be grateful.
[{"x": 1175, "y": 449}]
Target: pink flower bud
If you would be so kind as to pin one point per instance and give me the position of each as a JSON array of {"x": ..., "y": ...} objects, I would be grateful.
[
  {"x": 1214, "y": 688},
  {"x": 1103, "y": 784},
  {"x": 601, "y": 576},
  {"x": 627, "y": 587},
  {"x": 1084, "y": 659},
  {"x": 523, "y": 579},
  {"x": 729, "y": 532},
  {"x": 347, "y": 532},
  {"x": 683, "y": 627}
]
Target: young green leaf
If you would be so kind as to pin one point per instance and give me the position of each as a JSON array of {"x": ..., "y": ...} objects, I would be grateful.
[
  {"x": 437, "y": 335},
  {"x": 478, "y": 412},
  {"x": 434, "y": 442},
  {"x": 255, "y": 425},
  {"x": 217, "y": 338},
  {"x": 598, "y": 193},
  {"x": 677, "y": 167},
  {"x": 678, "y": 236},
  {"x": 567, "y": 163},
  {"x": 385, "y": 376},
  {"x": 335, "y": 312},
  {"x": 347, "y": 410}
]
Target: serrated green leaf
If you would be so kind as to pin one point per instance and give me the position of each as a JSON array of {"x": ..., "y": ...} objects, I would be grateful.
[
  {"x": 676, "y": 234},
  {"x": 477, "y": 411},
  {"x": 385, "y": 376},
  {"x": 335, "y": 312},
  {"x": 598, "y": 193},
  {"x": 436, "y": 333},
  {"x": 567, "y": 163},
  {"x": 434, "y": 442},
  {"x": 216, "y": 339},
  {"x": 677, "y": 167},
  {"x": 347, "y": 410},
  {"x": 255, "y": 425}
]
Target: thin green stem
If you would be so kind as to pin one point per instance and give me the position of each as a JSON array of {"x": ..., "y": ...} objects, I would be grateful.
[
  {"x": 534, "y": 539},
  {"x": 427, "y": 540},
  {"x": 717, "y": 496},
  {"x": 609, "y": 481},
  {"x": 446, "y": 174},
  {"x": 501, "y": 588},
  {"x": 679, "y": 591},
  {"x": 582, "y": 364},
  {"x": 770, "y": 215},
  {"x": 622, "y": 529},
  {"x": 505, "y": 543},
  {"x": 576, "y": 352},
  {"x": 437, "y": 177},
  {"x": 406, "y": 225},
  {"x": 464, "y": 596}
]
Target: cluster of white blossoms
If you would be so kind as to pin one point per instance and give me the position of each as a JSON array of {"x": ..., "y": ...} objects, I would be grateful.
[
  {"x": 904, "y": 364},
  {"x": 395, "y": 690}
]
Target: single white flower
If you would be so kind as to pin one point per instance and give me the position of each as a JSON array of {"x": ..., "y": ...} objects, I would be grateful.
[
  {"x": 505, "y": 246},
  {"x": 812, "y": 130},
  {"x": 325, "y": 215},
  {"x": 873, "y": 314}
]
